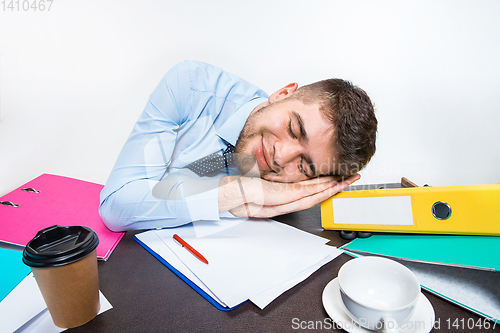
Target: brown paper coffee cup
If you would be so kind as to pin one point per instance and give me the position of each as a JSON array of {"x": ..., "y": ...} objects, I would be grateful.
[
  {"x": 71, "y": 292},
  {"x": 64, "y": 263}
]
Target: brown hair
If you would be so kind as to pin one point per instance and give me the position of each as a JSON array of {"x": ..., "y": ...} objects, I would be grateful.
[{"x": 352, "y": 114}]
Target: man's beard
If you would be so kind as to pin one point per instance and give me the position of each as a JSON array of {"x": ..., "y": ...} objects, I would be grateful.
[{"x": 246, "y": 162}]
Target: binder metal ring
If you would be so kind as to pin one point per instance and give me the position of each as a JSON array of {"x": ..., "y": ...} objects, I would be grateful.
[
  {"x": 30, "y": 189},
  {"x": 9, "y": 203}
]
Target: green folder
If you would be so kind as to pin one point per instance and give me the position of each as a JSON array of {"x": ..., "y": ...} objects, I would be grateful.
[
  {"x": 480, "y": 252},
  {"x": 13, "y": 270}
]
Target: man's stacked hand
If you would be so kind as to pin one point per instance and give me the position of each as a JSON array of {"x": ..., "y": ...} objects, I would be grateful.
[{"x": 256, "y": 197}]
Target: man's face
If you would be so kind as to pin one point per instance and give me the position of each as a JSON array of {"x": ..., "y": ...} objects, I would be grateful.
[{"x": 291, "y": 141}]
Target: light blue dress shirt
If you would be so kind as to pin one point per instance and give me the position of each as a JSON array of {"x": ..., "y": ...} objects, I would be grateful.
[{"x": 196, "y": 110}]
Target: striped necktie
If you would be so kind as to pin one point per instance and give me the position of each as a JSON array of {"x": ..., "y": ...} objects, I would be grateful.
[{"x": 213, "y": 162}]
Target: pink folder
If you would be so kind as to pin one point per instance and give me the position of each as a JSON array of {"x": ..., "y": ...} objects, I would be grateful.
[{"x": 48, "y": 200}]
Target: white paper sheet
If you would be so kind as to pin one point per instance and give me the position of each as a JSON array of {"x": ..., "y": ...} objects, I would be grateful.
[
  {"x": 206, "y": 228},
  {"x": 13, "y": 313},
  {"x": 24, "y": 310},
  {"x": 264, "y": 299},
  {"x": 254, "y": 259}
]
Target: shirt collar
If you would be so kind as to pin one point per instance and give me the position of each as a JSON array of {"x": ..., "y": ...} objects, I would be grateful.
[{"x": 230, "y": 130}]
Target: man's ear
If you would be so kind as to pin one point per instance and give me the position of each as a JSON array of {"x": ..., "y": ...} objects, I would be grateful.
[{"x": 283, "y": 92}]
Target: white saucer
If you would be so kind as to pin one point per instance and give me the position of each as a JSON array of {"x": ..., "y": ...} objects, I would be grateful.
[{"x": 421, "y": 321}]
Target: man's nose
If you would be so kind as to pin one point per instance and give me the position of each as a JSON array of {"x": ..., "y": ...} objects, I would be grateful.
[{"x": 286, "y": 152}]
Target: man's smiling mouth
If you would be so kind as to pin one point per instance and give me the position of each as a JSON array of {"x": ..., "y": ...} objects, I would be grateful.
[{"x": 262, "y": 157}]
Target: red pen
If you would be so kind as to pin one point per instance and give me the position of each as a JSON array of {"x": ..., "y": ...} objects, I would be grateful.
[{"x": 190, "y": 248}]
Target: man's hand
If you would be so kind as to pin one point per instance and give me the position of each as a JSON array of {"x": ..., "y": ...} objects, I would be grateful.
[{"x": 256, "y": 197}]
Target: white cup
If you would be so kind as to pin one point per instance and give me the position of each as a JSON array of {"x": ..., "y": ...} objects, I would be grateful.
[{"x": 378, "y": 293}]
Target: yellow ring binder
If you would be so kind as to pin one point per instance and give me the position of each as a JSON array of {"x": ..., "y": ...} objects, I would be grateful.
[{"x": 467, "y": 210}]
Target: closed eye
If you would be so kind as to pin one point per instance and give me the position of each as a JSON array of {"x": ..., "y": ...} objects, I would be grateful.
[
  {"x": 290, "y": 131},
  {"x": 301, "y": 167}
]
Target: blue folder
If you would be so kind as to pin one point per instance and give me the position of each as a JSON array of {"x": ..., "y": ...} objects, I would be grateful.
[{"x": 14, "y": 270}]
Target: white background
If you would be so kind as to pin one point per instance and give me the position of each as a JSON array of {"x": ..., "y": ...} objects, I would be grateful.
[{"x": 74, "y": 79}]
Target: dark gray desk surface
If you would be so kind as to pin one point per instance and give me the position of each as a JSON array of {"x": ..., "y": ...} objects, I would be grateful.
[{"x": 147, "y": 297}]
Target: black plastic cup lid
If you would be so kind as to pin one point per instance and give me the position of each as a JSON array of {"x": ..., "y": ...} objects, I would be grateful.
[{"x": 58, "y": 245}]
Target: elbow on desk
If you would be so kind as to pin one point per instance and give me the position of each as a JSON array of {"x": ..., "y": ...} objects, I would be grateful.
[{"x": 110, "y": 217}]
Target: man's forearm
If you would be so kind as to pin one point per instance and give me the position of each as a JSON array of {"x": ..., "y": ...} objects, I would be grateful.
[{"x": 230, "y": 193}]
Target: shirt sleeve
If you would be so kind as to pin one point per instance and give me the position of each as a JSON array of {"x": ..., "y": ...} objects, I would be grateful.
[{"x": 127, "y": 200}]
